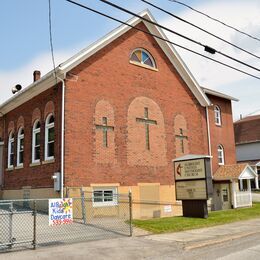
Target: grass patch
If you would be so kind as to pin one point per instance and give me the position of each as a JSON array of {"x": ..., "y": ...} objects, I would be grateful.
[{"x": 175, "y": 224}]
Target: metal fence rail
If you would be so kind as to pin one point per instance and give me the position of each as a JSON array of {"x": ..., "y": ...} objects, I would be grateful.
[{"x": 25, "y": 223}]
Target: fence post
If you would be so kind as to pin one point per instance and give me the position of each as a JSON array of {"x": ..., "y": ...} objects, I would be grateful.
[
  {"x": 11, "y": 240},
  {"x": 34, "y": 224},
  {"x": 83, "y": 208},
  {"x": 130, "y": 213}
]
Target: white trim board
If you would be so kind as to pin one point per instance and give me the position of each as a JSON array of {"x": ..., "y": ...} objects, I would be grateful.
[{"x": 48, "y": 80}]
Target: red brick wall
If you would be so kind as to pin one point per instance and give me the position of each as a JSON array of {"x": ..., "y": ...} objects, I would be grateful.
[
  {"x": 1, "y": 128},
  {"x": 109, "y": 76},
  {"x": 223, "y": 134},
  {"x": 37, "y": 176}
]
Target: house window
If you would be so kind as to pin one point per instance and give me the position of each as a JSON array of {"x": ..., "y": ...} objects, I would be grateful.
[
  {"x": 221, "y": 155},
  {"x": 20, "y": 147},
  {"x": 104, "y": 197},
  {"x": 140, "y": 56},
  {"x": 217, "y": 115},
  {"x": 11, "y": 150},
  {"x": 36, "y": 146},
  {"x": 49, "y": 137}
]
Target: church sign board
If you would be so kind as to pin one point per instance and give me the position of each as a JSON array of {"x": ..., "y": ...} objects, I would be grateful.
[
  {"x": 193, "y": 178},
  {"x": 193, "y": 182}
]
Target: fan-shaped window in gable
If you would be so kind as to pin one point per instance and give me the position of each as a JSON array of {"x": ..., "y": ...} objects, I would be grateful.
[{"x": 140, "y": 56}]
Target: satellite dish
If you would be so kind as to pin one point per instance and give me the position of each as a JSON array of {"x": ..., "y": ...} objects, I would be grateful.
[{"x": 17, "y": 88}]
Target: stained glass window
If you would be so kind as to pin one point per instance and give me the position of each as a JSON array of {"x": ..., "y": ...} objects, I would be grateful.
[{"x": 143, "y": 57}]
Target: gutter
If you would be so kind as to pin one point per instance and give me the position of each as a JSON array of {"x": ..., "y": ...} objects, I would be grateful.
[
  {"x": 209, "y": 139},
  {"x": 3, "y": 153},
  {"x": 62, "y": 135}
]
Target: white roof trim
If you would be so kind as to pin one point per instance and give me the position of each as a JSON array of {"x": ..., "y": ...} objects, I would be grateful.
[
  {"x": 218, "y": 94},
  {"x": 253, "y": 173},
  {"x": 48, "y": 80},
  {"x": 168, "y": 49}
]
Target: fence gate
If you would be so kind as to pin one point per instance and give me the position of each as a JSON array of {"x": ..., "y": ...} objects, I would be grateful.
[
  {"x": 16, "y": 226},
  {"x": 26, "y": 223}
]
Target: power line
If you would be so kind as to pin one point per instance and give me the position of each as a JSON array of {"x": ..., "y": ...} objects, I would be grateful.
[
  {"x": 51, "y": 43},
  {"x": 160, "y": 38},
  {"x": 216, "y": 20},
  {"x": 198, "y": 27},
  {"x": 206, "y": 48}
]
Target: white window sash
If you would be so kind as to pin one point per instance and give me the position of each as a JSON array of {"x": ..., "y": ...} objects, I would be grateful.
[
  {"x": 19, "y": 150},
  {"x": 35, "y": 132},
  {"x": 47, "y": 127},
  {"x": 103, "y": 203},
  {"x": 217, "y": 116},
  {"x": 10, "y": 143},
  {"x": 221, "y": 156}
]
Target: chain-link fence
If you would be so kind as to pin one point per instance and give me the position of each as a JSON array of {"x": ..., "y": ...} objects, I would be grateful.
[{"x": 26, "y": 223}]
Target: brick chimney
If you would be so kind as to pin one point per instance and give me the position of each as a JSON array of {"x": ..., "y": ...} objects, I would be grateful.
[{"x": 36, "y": 75}]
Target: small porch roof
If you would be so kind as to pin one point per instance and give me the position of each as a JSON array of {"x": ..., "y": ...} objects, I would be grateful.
[{"x": 234, "y": 172}]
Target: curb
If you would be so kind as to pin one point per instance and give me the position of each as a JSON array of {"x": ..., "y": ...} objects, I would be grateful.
[{"x": 219, "y": 241}]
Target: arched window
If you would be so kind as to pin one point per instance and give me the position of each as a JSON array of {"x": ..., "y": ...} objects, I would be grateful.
[
  {"x": 217, "y": 115},
  {"x": 221, "y": 159},
  {"x": 140, "y": 56},
  {"x": 11, "y": 150},
  {"x": 49, "y": 137},
  {"x": 20, "y": 146},
  {"x": 36, "y": 145}
]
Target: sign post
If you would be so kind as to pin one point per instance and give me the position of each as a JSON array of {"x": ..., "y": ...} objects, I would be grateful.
[{"x": 193, "y": 182}]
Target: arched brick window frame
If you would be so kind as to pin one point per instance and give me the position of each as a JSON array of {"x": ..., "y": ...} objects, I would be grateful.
[
  {"x": 49, "y": 109},
  {"x": 181, "y": 139},
  {"x": 104, "y": 128},
  {"x": 146, "y": 138},
  {"x": 36, "y": 115}
]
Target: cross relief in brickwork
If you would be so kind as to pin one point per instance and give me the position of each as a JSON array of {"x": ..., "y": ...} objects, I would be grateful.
[
  {"x": 105, "y": 128},
  {"x": 181, "y": 137},
  {"x": 146, "y": 121}
]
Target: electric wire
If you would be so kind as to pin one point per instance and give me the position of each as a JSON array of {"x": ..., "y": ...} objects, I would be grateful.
[
  {"x": 178, "y": 34},
  {"x": 51, "y": 41},
  {"x": 201, "y": 29},
  {"x": 160, "y": 38},
  {"x": 216, "y": 20}
]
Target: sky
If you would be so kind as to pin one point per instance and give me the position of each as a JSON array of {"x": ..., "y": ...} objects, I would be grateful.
[{"x": 25, "y": 44}]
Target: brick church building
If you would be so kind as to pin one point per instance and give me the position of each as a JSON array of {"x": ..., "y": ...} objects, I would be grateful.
[{"x": 111, "y": 119}]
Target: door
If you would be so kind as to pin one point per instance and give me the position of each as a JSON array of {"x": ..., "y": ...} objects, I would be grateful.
[{"x": 225, "y": 196}]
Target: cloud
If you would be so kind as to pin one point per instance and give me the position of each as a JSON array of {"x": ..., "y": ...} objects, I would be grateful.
[
  {"x": 24, "y": 74},
  {"x": 243, "y": 15}
]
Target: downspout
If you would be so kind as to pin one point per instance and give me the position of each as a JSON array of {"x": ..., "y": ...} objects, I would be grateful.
[
  {"x": 209, "y": 139},
  {"x": 3, "y": 155},
  {"x": 62, "y": 134}
]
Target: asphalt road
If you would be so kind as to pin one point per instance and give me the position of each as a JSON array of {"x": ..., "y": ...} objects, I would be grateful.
[{"x": 247, "y": 247}]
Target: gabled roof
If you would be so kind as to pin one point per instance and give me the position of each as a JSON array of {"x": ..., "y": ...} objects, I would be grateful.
[
  {"x": 48, "y": 80},
  {"x": 247, "y": 130},
  {"x": 234, "y": 172},
  {"x": 218, "y": 94}
]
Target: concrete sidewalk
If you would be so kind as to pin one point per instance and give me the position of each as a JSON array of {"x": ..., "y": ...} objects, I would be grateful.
[{"x": 144, "y": 246}]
